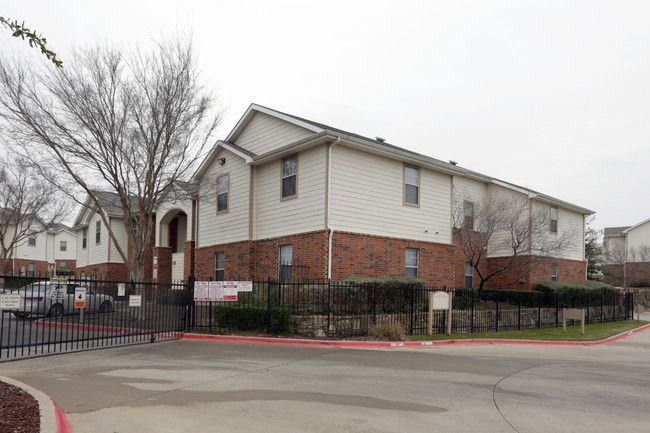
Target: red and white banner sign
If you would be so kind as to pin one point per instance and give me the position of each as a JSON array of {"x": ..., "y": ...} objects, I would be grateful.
[{"x": 220, "y": 291}]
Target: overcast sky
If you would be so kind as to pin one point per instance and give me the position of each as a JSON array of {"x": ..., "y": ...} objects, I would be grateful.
[{"x": 551, "y": 95}]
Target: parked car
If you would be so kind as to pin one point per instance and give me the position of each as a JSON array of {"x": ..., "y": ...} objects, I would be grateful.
[{"x": 46, "y": 298}]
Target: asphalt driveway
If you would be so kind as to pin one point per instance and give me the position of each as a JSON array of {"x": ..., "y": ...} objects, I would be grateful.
[{"x": 197, "y": 386}]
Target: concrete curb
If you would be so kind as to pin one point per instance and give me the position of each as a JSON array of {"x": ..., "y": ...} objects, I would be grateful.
[
  {"x": 53, "y": 420},
  {"x": 400, "y": 344}
]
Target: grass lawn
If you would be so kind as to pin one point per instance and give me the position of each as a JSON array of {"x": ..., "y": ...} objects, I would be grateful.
[{"x": 593, "y": 332}]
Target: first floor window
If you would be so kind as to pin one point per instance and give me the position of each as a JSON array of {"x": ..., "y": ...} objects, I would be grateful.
[
  {"x": 469, "y": 275},
  {"x": 554, "y": 272},
  {"x": 412, "y": 262},
  {"x": 286, "y": 261},
  {"x": 289, "y": 176},
  {"x": 62, "y": 265},
  {"x": 219, "y": 265},
  {"x": 31, "y": 269},
  {"x": 222, "y": 193}
]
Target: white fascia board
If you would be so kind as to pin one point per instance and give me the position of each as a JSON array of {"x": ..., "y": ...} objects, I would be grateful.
[
  {"x": 209, "y": 159},
  {"x": 294, "y": 147},
  {"x": 250, "y": 112},
  {"x": 506, "y": 185}
]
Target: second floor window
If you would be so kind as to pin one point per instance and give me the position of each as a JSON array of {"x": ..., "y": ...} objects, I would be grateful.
[
  {"x": 411, "y": 185},
  {"x": 289, "y": 176},
  {"x": 553, "y": 225},
  {"x": 84, "y": 239},
  {"x": 31, "y": 241},
  {"x": 98, "y": 233},
  {"x": 63, "y": 246},
  {"x": 223, "y": 185},
  {"x": 468, "y": 220}
]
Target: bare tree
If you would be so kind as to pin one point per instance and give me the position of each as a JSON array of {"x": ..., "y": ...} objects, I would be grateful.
[
  {"x": 127, "y": 122},
  {"x": 508, "y": 226},
  {"x": 28, "y": 206}
]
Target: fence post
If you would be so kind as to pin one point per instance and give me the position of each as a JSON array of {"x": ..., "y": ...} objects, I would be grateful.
[
  {"x": 539, "y": 310},
  {"x": 374, "y": 303},
  {"x": 412, "y": 301},
  {"x": 588, "y": 298},
  {"x": 471, "y": 320},
  {"x": 497, "y": 314},
  {"x": 557, "y": 308},
  {"x": 190, "y": 319},
  {"x": 602, "y": 295},
  {"x": 519, "y": 314},
  {"x": 329, "y": 301},
  {"x": 268, "y": 305}
]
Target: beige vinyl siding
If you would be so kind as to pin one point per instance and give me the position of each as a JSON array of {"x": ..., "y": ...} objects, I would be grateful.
[
  {"x": 97, "y": 253},
  {"x": 570, "y": 224},
  {"x": 638, "y": 237},
  {"x": 306, "y": 212},
  {"x": 37, "y": 252},
  {"x": 122, "y": 238},
  {"x": 614, "y": 245},
  {"x": 470, "y": 190},
  {"x": 82, "y": 254},
  {"x": 177, "y": 266},
  {"x": 265, "y": 133},
  {"x": 367, "y": 197},
  {"x": 71, "y": 252},
  {"x": 232, "y": 225},
  {"x": 499, "y": 244}
]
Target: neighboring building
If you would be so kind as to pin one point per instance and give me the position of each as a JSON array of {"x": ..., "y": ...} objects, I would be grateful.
[
  {"x": 284, "y": 197},
  {"x": 43, "y": 250},
  {"x": 97, "y": 256},
  {"x": 627, "y": 251}
]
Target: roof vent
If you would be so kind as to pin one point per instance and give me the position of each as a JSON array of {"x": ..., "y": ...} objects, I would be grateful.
[
  {"x": 453, "y": 162},
  {"x": 380, "y": 139}
]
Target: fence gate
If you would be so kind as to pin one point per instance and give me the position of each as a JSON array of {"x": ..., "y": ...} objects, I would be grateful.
[{"x": 75, "y": 314}]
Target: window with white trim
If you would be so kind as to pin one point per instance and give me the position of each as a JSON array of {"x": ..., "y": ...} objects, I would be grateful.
[
  {"x": 554, "y": 217},
  {"x": 31, "y": 240},
  {"x": 219, "y": 265},
  {"x": 223, "y": 186},
  {"x": 286, "y": 263},
  {"x": 84, "y": 239},
  {"x": 289, "y": 176},
  {"x": 31, "y": 269},
  {"x": 412, "y": 262},
  {"x": 411, "y": 185},
  {"x": 469, "y": 275},
  {"x": 468, "y": 220},
  {"x": 554, "y": 271},
  {"x": 98, "y": 232},
  {"x": 63, "y": 246}
]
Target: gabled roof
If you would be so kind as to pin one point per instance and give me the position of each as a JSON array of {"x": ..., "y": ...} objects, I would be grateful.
[
  {"x": 324, "y": 133},
  {"x": 109, "y": 201},
  {"x": 614, "y": 231},
  {"x": 637, "y": 225}
]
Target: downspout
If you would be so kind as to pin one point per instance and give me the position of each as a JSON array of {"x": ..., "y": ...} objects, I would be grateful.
[{"x": 329, "y": 207}]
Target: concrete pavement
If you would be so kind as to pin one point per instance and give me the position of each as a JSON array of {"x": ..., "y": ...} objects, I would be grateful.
[{"x": 196, "y": 386}]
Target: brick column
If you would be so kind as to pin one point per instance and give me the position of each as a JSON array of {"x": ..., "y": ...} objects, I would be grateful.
[
  {"x": 188, "y": 259},
  {"x": 164, "y": 255}
]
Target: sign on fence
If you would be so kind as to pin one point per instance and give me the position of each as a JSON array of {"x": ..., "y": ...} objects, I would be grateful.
[
  {"x": 10, "y": 301},
  {"x": 135, "y": 301},
  {"x": 80, "y": 297},
  {"x": 220, "y": 291}
]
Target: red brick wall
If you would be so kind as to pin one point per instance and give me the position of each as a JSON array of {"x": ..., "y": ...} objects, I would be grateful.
[
  {"x": 367, "y": 256},
  {"x": 40, "y": 266},
  {"x": 568, "y": 271},
  {"x": 69, "y": 264},
  {"x": 164, "y": 257},
  {"x": 459, "y": 264},
  {"x": 109, "y": 271}
]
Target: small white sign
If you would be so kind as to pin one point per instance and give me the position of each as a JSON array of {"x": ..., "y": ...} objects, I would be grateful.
[
  {"x": 245, "y": 286},
  {"x": 9, "y": 301},
  {"x": 441, "y": 301},
  {"x": 57, "y": 292},
  {"x": 201, "y": 291},
  {"x": 135, "y": 300},
  {"x": 80, "y": 297},
  {"x": 121, "y": 289}
]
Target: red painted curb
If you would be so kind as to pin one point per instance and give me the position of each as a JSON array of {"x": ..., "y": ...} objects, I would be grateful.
[
  {"x": 62, "y": 423},
  {"x": 169, "y": 334},
  {"x": 399, "y": 344}
]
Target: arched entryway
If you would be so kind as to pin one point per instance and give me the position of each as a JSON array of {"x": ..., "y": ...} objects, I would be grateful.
[{"x": 172, "y": 243}]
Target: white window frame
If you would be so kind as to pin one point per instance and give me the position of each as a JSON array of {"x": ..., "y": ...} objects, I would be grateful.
[
  {"x": 289, "y": 176},
  {"x": 285, "y": 260},
  {"x": 219, "y": 256},
  {"x": 408, "y": 262},
  {"x": 84, "y": 238},
  {"x": 408, "y": 184},
  {"x": 554, "y": 271},
  {"x": 223, "y": 192},
  {"x": 554, "y": 218},
  {"x": 468, "y": 217},
  {"x": 63, "y": 245},
  {"x": 469, "y": 273},
  {"x": 31, "y": 239},
  {"x": 98, "y": 233}
]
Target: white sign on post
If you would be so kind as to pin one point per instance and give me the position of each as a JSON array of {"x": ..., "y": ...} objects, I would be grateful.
[
  {"x": 58, "y": 292},
  {"x": 135, "y": 300},
  {"x": 80, "y": 297},
  {"x": 121, "y": 289},
  {"x": 440, "y": 301},
  {"x": 9, "y": 301}
]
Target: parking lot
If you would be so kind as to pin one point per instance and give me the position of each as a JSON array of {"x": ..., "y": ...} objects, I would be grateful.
[{"x": 190, "y": 386}]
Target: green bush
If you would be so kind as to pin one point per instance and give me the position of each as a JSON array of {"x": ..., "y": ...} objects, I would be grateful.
[
  {"x": 463, "y": 298},
  {"x": 576, "y": 294},
  {"x": 172, "y": 297},
  {"x": 252, "y": 318},
  {"x": 640, "y": 283},
  {"x": 390, "y": 282}
]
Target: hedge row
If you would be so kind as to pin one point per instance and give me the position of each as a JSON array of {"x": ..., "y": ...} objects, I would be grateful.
[{"x": 252, "y": 318}]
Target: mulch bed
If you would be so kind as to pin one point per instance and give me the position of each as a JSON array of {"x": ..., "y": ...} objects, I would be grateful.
[{"x": 19, "y": 411}]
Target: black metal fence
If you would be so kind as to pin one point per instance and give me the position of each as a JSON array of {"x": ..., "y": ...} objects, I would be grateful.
[
  {"x": 328, "y": 309},
  {"x": 47, "y": 320}
]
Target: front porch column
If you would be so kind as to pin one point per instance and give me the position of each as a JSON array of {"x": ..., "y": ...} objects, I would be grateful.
[
  {"x": 188, "y": 264},
  {"x": 164, "y": 255}
]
